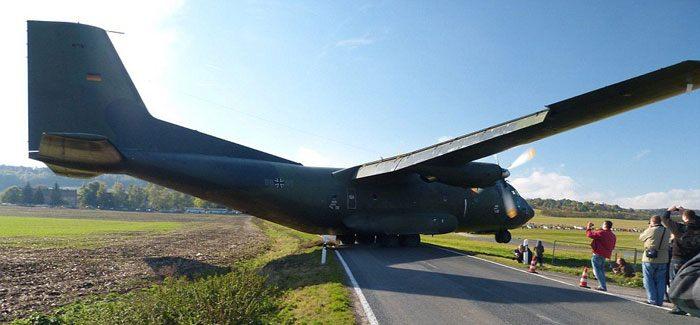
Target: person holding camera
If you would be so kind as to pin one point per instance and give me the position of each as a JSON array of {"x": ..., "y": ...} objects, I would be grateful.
[
  {"x": 603, "y": 244},
  {"x": 686, "y": 242},
  {"x": 654, "y": 268}
]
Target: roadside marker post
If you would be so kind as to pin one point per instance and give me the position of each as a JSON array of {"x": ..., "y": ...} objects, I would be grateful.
[{"x": 323, "y": 250}]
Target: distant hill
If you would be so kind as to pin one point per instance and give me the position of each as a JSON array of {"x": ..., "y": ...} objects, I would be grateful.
[
  {"x": 19, "y": 176},
  {"x": 571, "y": 208}
]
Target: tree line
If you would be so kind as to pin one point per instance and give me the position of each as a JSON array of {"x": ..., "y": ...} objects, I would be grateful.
[
  {"x": 572, "y": 208},
  {"x": 96, "y": 195},
  {"x": 30, "y": 196}
]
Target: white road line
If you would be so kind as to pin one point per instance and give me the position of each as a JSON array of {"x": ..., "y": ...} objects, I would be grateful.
[
  {"x": 551, "y": 279},
  {"x": 363, "y": 301},
  {"x": 547, "y": 319},
  {"x": 433, "y": 266}
]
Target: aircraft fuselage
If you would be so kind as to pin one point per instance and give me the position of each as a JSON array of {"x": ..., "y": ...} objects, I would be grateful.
[{"x": 313, "y": 200}]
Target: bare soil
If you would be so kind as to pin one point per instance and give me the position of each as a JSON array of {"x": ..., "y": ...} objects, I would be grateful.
[{"x": 39, "y": 279}]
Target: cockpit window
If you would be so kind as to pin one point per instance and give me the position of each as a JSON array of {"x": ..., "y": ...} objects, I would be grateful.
[{"x": 513, "y": 190}]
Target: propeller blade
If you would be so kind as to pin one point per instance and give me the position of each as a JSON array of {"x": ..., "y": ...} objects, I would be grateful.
[
  {"x": 508, "y": 201},
  {"x": 523, "y": 158}
]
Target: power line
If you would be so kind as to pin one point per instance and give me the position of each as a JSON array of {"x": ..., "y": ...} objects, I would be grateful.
[{"x": 230, "y": 108}]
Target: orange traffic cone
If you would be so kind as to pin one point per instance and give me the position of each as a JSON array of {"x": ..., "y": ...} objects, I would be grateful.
[
  {"x": 533, "y": 265},
  {"x": 584, "y": 278}
]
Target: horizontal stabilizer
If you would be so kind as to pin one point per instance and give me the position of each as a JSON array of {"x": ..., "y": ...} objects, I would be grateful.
[
  {"x": 77, "y": 154},
  {"x": 68, "y": 172}
]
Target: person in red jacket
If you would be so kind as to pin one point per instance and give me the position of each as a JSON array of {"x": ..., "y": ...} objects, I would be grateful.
[{"x": 603, "y": 244}]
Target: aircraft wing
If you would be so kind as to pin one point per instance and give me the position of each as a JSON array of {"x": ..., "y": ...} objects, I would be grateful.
[{"x": 555, "y": 118}]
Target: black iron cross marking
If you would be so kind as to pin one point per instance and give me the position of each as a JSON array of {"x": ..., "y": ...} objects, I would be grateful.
[{"x": 279, "y": 182}]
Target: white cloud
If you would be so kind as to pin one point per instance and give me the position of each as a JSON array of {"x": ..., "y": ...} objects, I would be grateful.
[
  {"x": 356, "y": 42},
  {"x": 643, "y": 153},
  {"x": 556, "y": 186},
  {"x": 546, "y": 185},
  {"x": 310, "y": 157},
  {"x": 689, "y": 198},
  {"x": 145, "y": 49}
]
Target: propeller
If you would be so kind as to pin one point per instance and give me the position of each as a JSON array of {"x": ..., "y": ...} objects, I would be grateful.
[
  {"x": 523, "y": 158},
  {"x": 508, "y": 201},
  {"x": 506, "y": 194}
]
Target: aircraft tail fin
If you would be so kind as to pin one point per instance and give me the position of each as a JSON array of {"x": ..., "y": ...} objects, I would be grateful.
[
  {"x": 74, "y": 74},
  {"x": 81, "y": 95}
]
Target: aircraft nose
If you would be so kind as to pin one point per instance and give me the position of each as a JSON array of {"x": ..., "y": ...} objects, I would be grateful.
[
  {"x": 529, "y": 211},
  {"x": 525, "y": 211}
]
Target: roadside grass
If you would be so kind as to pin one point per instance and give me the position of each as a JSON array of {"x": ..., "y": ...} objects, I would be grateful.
[
  {"x": 311, "y": 293},
  {"x": 567, "y": 262},
  {"x": 284, "y": 284}
]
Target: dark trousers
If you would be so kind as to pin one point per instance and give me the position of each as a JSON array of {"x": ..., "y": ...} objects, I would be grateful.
[{"x": 676, "y": 264}]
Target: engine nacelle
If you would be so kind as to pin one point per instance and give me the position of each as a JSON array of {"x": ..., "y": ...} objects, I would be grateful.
[{"x": 473, "y": 174}]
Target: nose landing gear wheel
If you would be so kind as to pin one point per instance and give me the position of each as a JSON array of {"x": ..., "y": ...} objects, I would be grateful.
[{"x": 503, "y": 236}]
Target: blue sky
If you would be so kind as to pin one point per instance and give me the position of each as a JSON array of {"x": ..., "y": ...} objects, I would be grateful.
[{"x": 343, "y": 83}]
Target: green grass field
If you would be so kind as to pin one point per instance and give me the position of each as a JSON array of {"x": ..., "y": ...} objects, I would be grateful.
[
  {"x": 547, "y": 220},
  {"x": 624, "y": 239},
  {"x": 11, "y": 226}
]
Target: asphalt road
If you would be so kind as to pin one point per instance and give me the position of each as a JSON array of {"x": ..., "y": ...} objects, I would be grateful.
[{"x": 426, "y": 285}]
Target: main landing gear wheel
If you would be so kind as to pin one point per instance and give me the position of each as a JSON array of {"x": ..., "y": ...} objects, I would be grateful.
[
  {"x": 388, "y": 240},
  {"x": 409, "y": 240},
  {"x": 345, "y": 239},
  {"x": 503, "y": 236}
]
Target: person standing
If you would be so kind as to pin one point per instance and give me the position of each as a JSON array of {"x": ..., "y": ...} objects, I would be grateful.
[
  {"x": 656, "y": 241},
  {"x": 686, "y": 241},
  {"x": 539, "y": 252},
  {"x": 685, "y": 288},
  {"x": 602, "y": 245}
]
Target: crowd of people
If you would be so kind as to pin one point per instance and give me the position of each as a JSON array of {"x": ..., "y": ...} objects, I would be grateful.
[
  {"x": 670, "y": 247},
  {"x": 523, "y": 254}
]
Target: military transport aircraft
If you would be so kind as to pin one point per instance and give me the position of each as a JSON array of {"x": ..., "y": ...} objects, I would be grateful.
[{"x": 86, "y": 118}]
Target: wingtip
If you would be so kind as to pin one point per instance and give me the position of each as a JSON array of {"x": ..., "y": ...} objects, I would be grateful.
[{"x": 695, "y": 64}]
